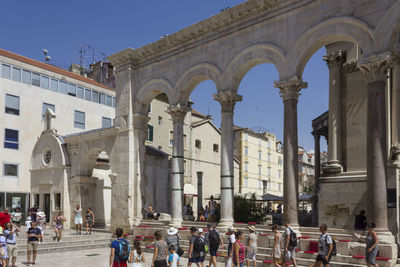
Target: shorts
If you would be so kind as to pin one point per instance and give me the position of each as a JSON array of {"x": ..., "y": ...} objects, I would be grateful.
[
  {"x": 251, "y": 255},
  {"x": 78, "y": 220},
  {"x": 120, "y": 264},
  {"x": 59, "y": 227},
  {"x": 160, "y": 263},
  {"x": 290, "y": 254},
  {"x": 322, "y": 259},
  {"x": 213, "y": 252},
  {"x": 12, "y": 250},
  {"x": 32, "y": 245},
  {"x": 197, "y": 259}
]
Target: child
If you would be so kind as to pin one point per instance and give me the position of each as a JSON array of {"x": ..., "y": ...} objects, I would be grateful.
[
  {"x": 3, "y": 248},
  {"x": 173, "y": 258},
  {"x": 136, "y": 256}
]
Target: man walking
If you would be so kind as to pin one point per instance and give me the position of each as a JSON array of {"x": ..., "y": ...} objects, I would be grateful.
[
  {"x": 120, "y": 250},
  {"x": 33, "y": 234},
  {"x": 325, "y": 247},
  {"x": 289, "y": 245},
  {"x": 194, "y": 250},
  {"x": 11, "y": 241},
  {"x": 214, "y": 240}
]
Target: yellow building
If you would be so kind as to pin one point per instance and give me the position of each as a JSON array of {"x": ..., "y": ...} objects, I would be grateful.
[{"x": 261, "y": 162}]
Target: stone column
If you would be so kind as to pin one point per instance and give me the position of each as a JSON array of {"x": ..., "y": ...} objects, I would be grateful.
[
  {"x": 396, "y": 96},
  {"x": 199, "y": 191},
  {"x": 335, "y": 61},
  {"x": 140, "y": 127},
  {"x": 317, "y": 173},
  {"x": 265, "y": 191},
  {"x": 178, "y": 114},
  {"x": 375, "y": 72},
  {"x": 227, "y": 99},
  {"x": 290, "y": 91}
]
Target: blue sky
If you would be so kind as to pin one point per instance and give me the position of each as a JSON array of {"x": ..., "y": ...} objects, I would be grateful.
[{"x": 62, "y": 27}]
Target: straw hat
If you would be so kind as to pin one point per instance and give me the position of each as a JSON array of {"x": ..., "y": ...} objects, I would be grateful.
[
  {"x": 172, "y": 231},
  {"x": 252, "y": 228}
]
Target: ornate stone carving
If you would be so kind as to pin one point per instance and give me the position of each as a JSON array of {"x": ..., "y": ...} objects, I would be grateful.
[
  {"x": 227, "y": 99},
  {"x": 290, "y": 89},
  {"x": 335, "y": 58},
  {"x": 140, "y": 121},
  {"x": 375, "y": 67},
  {"x": 350, "y": 67},
  {"x": 178, "y": 112},
  {"x": 395, "y": 152}
]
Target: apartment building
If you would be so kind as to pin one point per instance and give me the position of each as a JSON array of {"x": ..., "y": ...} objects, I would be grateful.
[{"x": 27, "y": 88}]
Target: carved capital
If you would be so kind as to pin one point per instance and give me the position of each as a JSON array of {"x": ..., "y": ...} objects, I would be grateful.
[
  {"x": 290, "y": 89},
  {"x": 178, "y": 112},
  {"x": 140, "y": 121},
  {"x": 375, "y": 67},
  {"x": 350, "y": 67},
  {"x": 335, "y": 59},
  {"x": 227, "y": 99},
  {"x": 396, "y": 59}
]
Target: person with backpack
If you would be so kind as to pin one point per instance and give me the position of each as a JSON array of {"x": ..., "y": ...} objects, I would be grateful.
[
  {"x": 214, "y": 240},
  {"x": 173, "y": 239},
  {"x": 325, "y": 247},
  {"x": 160, "y": 251},
  {"x": 195, "y": 248},
  {"x": 290, "y": 243},
  {"x": 120, "y": 250}
]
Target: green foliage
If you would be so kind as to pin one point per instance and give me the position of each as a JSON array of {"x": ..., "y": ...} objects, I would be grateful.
[{"x": 248, "y": 210}]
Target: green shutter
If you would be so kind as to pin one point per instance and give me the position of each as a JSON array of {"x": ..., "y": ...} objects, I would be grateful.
[{"x": 150, "y": 133}]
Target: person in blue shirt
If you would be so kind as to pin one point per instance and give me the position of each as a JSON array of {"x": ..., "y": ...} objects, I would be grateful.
[
  {"x": 115, "y": 260},
  {"x": 173, "y": 259}
]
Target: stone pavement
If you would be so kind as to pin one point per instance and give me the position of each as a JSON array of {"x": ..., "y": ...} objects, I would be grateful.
[{"x": 83, "y": 258}]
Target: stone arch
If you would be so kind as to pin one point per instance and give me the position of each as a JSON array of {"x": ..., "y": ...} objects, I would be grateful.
[
  {"x": 388, "y": 25},
  {"x": 49, "y": 142},
  {"x": 328, "y": 31},
  {"x": 153, "y": 88},
  {"x": 194, "y": 76},
  {"x": 249, "y": 58}
]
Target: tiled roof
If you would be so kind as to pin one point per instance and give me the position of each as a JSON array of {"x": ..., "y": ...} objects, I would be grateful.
[
  {"x": 50, "y": 68},
  {"x": 198, "y": 113}
]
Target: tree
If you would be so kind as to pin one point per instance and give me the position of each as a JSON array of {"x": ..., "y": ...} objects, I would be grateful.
[{"x": 248, "y": 210}]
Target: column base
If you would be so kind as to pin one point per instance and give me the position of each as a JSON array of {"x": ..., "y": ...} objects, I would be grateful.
[
  {"x": 333, "y": 167},
  {"x": 225, "y": 223},
  {"x": 176, "y": 223},
  {"x": 385, "y": 237}
]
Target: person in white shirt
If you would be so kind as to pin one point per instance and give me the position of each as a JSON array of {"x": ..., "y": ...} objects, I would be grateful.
[
  {"x": 325, "y": 246},
  {"x": 232, "y": 240},
  {"x": 289, "y": 250}
]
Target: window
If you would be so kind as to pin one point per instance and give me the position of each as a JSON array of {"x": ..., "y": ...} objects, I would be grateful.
[
  {"x": 11, "y": 139},
  {"x": 95, "y": 96},
  {"x": 71, "y": 89},
  {"x": 80, "y": 92},
  {"x": 197, "y": 143},
  {"x": 171, "y": 138},
  {"x": 246, "y": 136},
  {"x": 57, "y": 197},
  {"x": 246, "y": 151},
  {"x": 16, "y": 74},
  {"x": 279, "y": 173},
  {"x": 12, "y": 104},
  {"x": 54, "y": 85},
  {"x": 45, "y": 82},
  {"x": 150, "y": 133},
  {"x": 79, "y": 119},
  {"x": 184, "y": 167},
  {"x": 215, "y": 147},
  {"x": 280, "y": 187},
  {"x": 268, "y": 144},
  {"x": 259, "y": 169},
  {"x": 36, "y": 79},
  {"x": 246, "y": 182},
  {"x": 269, "y": 157},
  {"x": 184, "y": 141},
  {"x": 10, "y": 170},
  {"x": 88, "y": 95},
  {"x": 280, "y": 161},
  {"x": 26, "y": 77},
  {"x": 45, "y": 106},
  {"x": 109, "y": 100},
  {"x": 37, "y": 199},
  {"x": 6, "y": 71},
  {"x": 159, "y": 120},
  {"x": 246, "y": 167},
  {"x": 269, "y": 186},
  {"x": 259, "y": 154},
  {"x": 149, "y": 109},
  {"x": 62, "y": 87},
  {"x": 113, "y": 102},
  {"x": 105, "y": 122},
  {"x": 102, "y": 98},
  {"x": 269, "y": 171},
  {"x": 259, "y": 141}
]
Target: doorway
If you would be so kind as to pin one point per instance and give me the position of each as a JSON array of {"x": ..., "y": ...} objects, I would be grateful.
[{"x": 47, "y": 207}]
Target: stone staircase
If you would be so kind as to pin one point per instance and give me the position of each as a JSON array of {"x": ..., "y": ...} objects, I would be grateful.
[{"x": 350, "y": 250}]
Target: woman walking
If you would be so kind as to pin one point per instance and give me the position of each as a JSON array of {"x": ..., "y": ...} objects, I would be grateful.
[
  {"x": 59, "y": 225},
  {"x": 239, "y": 250},
  {"x": 252, "y": 246},
  {"x": 137, "y": 256},
  {"x": 371, "y": 250},
  {"x": 160, "y": 251},
  {"x": 78, "y": 219},
  {"x": 89, "y": 221},
  {"x": 276, "y": 252}
]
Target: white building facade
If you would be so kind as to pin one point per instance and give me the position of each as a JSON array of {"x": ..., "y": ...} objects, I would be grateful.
[{"x": 27, "y": 88}]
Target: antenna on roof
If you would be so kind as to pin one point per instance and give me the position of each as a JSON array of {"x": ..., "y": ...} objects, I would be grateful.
[{"x": 46, "y": 57}]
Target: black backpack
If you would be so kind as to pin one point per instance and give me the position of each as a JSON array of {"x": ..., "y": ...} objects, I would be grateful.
[
  {"x": 214, "y": 239},
  {"x": 334, "y": 251},
  {"x": 293, "y": 239},
  {"x": 199, "y": 244}
]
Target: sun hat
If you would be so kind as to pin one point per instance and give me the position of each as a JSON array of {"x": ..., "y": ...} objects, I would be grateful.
[
  {"x": 200, "y": 230},
  {"x": 252, "y": 228},
  {"x": 172, "y": 231}
]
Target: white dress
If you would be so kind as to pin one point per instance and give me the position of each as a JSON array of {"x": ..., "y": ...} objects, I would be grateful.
[{"x": 137, "y": 257}]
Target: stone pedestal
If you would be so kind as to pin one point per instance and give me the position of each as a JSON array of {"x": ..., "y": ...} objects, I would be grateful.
[
  {"x": 290, "y": 91},
  {"x": 227, "y": 99}
]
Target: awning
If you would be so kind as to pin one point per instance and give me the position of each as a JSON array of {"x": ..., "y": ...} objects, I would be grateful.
[
  {"x": 305, "y": 197},
  {"x": 189, "y": 190},
  {"x": 270, "y": 197}
]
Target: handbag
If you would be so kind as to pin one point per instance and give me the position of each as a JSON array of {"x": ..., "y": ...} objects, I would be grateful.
[{"x": 179, "y": 251}]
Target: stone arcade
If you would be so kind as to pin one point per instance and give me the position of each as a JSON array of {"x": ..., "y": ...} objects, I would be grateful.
[{"x": 363, "y": 44}]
